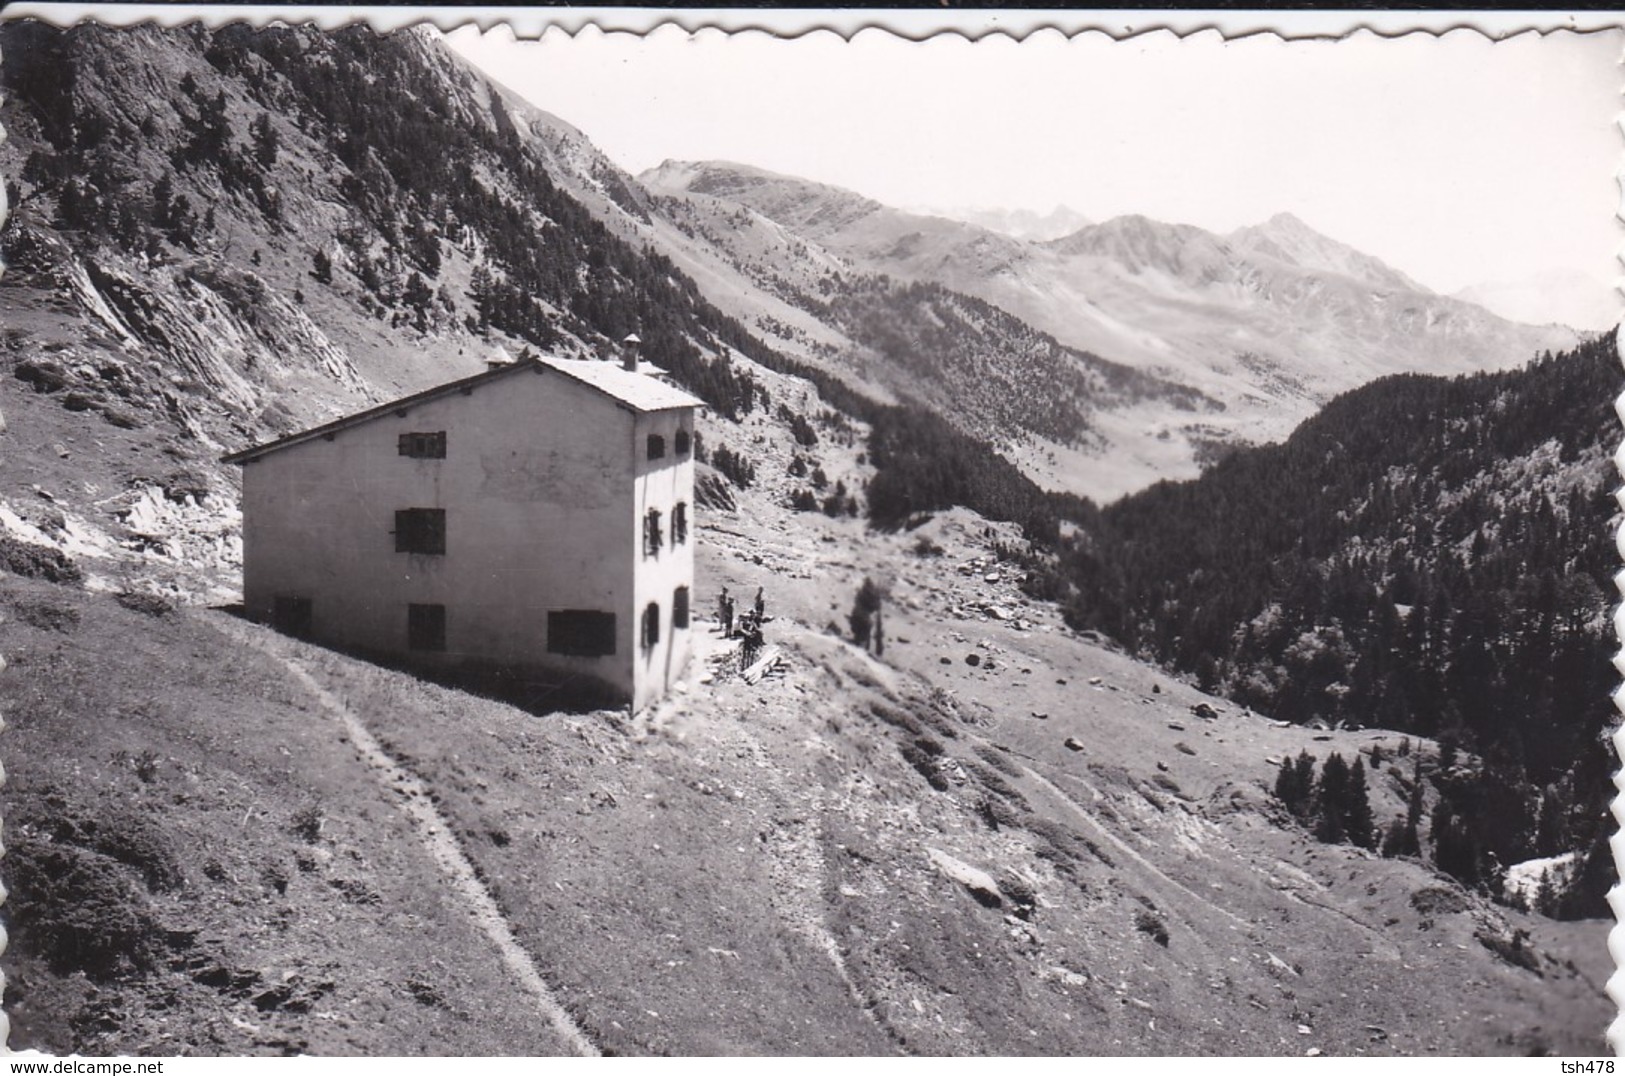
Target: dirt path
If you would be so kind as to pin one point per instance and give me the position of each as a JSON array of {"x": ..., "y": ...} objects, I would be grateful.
[{"x": 412, "y": 796}]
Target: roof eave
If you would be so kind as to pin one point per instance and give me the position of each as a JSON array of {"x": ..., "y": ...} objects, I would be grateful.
[
  {"x": 249, "y": 455},
  {"x": 467, "y": 384}
]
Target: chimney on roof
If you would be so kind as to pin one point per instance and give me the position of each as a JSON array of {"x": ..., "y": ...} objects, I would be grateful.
[
  {"x": 629, "y": 352},
  {"x": 498, "y": 358}
]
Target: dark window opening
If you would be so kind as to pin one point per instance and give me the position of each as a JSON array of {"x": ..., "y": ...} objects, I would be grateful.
[
  {"x": 420, "y": 530},
  {"x": 682, "y": 442},
  {"x": 651, "y": 624},
  {"x": 292, "y": 616},
  {"x": 424, "y": 446},
  {"x": 679, "y": 608},
  {"x": 679, "y": 524},
  {"x": 657, "y": 446},
  {"x": 581, "y": 632},
  {"x": 425, "y": 627},
  {"x": 652, "y": 537}
]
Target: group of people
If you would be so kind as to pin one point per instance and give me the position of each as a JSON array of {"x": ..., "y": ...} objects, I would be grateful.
[{"x": 749, "y": 628}]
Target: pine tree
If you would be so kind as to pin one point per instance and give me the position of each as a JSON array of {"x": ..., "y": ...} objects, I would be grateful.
[
  {"x": 1393, "y": 838},
  {"x": 1357, "y": 821},
  {"x": 1286, "y": 785},
  {"x": 1305, "y": 784},
  {"x": 1403, "y": 837},
  {"x": 1546, "y": 894},
  {"x": 417, "y": 298},
  {"x": 1447, "y": 753},
  {"x": 1454, "y": 850},
  {"x": 1294, "y": 784},
  {"x": 1552, "y": 831},
  {"x": 1331, "y": 801}
]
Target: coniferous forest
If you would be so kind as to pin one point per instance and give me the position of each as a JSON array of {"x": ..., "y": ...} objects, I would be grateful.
[{"x": 1429, "y": 555}]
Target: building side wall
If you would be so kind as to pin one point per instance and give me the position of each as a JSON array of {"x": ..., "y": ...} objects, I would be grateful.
[
  {"x": 663, "y": 484},
  {"x": 536, "y": 485}
]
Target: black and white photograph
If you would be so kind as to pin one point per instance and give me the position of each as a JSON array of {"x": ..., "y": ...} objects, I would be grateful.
[{"x": 707, "y": 542}]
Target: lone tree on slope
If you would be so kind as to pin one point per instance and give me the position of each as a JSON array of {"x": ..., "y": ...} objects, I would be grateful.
[
  {"x": 1331, "y": 801},
  {"x": 865, "y": 610}
]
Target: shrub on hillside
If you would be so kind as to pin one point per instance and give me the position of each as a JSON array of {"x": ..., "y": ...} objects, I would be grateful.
[
  {"x": 81, "y": 911},
  {"x": 1151, "y": 925},
  {"x": 925, "y": 547},
  {"x": 48, "y": 616},
  {"x": 145, "y": 604},
  {"x": 306, "y": 823},
  {"x": 37, "y": 561}
]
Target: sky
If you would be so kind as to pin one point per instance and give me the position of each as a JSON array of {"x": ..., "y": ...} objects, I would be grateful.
[{"x": 1458, "y": 160}]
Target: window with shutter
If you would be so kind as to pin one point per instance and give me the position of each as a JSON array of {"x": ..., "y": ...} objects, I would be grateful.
[
  {"x": 652, "y": 537},
  {"x": 423, "y": 446},
  {"x": 420, "y": 530}
]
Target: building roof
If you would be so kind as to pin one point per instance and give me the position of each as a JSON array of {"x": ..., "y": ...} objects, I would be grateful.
[{"x": 639, "y": 391}]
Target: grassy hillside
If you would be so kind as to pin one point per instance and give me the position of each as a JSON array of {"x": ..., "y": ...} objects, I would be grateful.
[
  {"x": 198, "y": 863},
  {"x": 858, "y": 855}
]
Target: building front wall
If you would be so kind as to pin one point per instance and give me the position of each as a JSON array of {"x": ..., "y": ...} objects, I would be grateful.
[
  {"x": 662, "y": 484},
  {"x": 536, "y": 485}
]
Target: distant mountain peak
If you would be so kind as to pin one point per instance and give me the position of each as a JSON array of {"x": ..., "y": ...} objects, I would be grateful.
[
  {"x": 1286, "y": 238},
  {"x": 1138, "y": 242},
  {"x": 1287, "y": 222}
]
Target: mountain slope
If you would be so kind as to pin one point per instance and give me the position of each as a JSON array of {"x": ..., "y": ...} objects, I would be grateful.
[
  {"x": 373, "y": 229},
  {"x": 801, "y": 293},
  {"x": 826, "y": 861},
  {"x": 1271, "y": 320},
  {"x": 1423, "y": 554},
  {"x": 265, "y": 245}
]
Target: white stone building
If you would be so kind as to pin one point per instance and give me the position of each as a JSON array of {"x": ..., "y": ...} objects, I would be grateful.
[{"x": 536, "y": 518}]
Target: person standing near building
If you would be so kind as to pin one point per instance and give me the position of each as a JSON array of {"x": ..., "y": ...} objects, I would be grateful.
[
  {"x": 725, "y": 613},
  {"x": 760, "y": 606},
  {"x": 751, "y": 649}
]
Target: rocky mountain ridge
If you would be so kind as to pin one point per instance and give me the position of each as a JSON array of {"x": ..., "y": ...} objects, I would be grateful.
[{"x": 1271, "y": 320}]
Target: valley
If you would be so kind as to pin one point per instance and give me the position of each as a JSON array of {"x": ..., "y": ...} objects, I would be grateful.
[{"x": 1242, "y": 336}]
